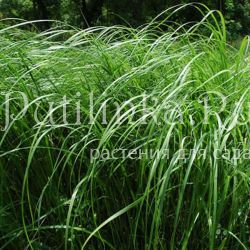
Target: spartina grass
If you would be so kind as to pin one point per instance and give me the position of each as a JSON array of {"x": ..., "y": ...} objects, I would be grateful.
[{"x": 83, "y": 105}]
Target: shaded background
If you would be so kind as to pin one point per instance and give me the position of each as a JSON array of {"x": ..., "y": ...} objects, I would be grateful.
[{"x": 84, "y": 13}]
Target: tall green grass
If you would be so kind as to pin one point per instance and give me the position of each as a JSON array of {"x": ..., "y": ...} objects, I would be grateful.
[{"x": 53, "y": 195}]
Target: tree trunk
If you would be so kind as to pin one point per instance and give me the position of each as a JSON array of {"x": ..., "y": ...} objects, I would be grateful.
[
  {"x": 137, "y": 10},
  {"x": 85, "y": 12},
  {"x": 41, "y": 13},
  {"x": 221, "y": 6},
  {"x": 90, "y": 11},
  {"x": 95, "y": 10}
]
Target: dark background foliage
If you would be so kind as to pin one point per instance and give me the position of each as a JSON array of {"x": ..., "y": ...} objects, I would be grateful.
[{"x": 84, "y": 13}]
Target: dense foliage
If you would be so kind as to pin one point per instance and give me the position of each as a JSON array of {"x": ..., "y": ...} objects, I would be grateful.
[
  {"x": 85, "y": 13},
  {"x": 55, "y": 195}
]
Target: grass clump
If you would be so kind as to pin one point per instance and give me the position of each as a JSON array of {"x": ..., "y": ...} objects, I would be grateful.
[{"x": 171, "y": 106}]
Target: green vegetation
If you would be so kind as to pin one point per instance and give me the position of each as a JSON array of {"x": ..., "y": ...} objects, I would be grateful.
[
  {"x": 85, "y": 13},
  {"x": 55, "y": 195}
]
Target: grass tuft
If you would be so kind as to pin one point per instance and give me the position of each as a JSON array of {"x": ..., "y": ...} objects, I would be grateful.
[{"x": 71, "y": 97}]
